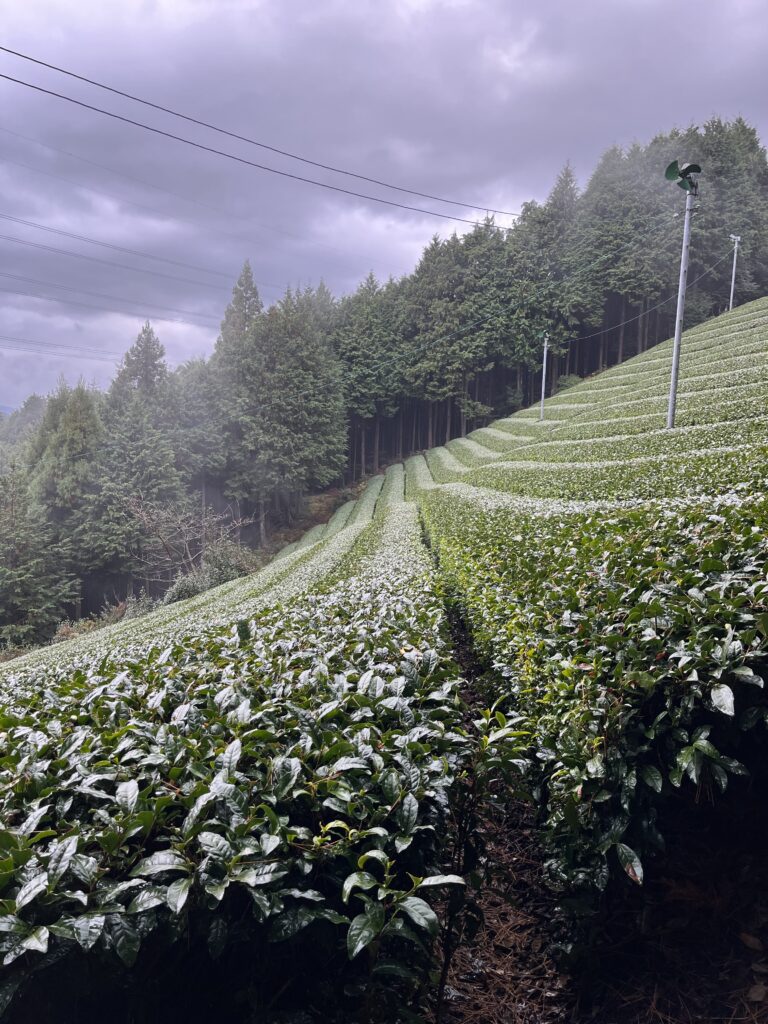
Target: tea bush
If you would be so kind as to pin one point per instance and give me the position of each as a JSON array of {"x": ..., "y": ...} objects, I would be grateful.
[
  {"x": 291, "y": 772},
  {"x": 631, "y": 643}
]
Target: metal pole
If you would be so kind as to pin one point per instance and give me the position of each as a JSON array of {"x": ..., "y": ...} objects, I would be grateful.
[
  {"x": 735, "y": 239},
  {"x": 544, "y": 376},
  {"x": 680, "y": 309}
]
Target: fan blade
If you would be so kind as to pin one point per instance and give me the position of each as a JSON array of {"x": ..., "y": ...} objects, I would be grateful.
[{"x": 672, "y": 171}]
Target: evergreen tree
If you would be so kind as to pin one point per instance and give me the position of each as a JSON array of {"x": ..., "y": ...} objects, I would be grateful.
[
  {"x": 35, "y": 588},
  {"x": 295, "y": 435},
  {"x": 143, "y": 372},
  {"x": 241, "y": 314}
]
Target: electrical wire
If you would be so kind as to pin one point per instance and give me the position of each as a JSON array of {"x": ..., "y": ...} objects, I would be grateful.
[
  {"x": 658, "y": 305},
  {"x": 100, "y": 192},
  {"x": 234, "y": 157},
  {"x": 110, "y": 298},
  {"x": 177, "y": 195},
  {"x": 110, "y": 263},
  {"x": 254, "y": 142},
  {"x": 112, "y": 246},
  {"x": 10, "y": 343},
  {"x": 103, "y": 309}
]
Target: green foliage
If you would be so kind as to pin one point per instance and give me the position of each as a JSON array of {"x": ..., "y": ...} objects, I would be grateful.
[
  {"x": 628, "y": 643},
  {"x": 224, "y": 561},
  {"x": 284, "y": 412},
  {"x": 35, "y": 587},
  {"x": 287, "y": 774}
]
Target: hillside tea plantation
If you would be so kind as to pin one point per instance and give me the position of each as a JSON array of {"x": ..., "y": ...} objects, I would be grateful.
[{"x": 283, "y": 763}]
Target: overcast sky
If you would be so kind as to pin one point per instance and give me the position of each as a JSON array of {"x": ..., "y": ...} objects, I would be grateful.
[{"x": 481, "y": 101}]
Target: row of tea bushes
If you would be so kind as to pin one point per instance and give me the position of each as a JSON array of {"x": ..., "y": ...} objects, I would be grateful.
[
  {"x": 289, "y": 775},
  {"x": 630, "y": 643}
]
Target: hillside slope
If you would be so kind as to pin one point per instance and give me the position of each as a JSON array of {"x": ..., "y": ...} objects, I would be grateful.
[
  {"x": 604, "y": 438},
  {"x": 612, "y": 578}
]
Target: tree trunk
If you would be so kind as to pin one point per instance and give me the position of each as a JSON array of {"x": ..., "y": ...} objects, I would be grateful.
[
  {"x": 601, "y": 352},
  {"x": 362, "y": 448},
  {"x": 622, "y": 325},
  {"x": 414, "y": 426},
  {"x": 353, "y": 454},
  {"x": 430, "y": 425},
  {"x": 262, "y": 523},
  {"x": 640, "y": 327},
  {"x": 400, "y": 433},
  {"x": 448, "y": 418},
  {"x": 202, "y": 518},
  {"x": 376, "y": 442},
  {"x": 647, "y": 325}
]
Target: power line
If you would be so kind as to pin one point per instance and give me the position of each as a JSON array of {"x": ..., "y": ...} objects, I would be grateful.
[
  {"x": 176, "y": 195},
  {"x": 658, "y": 305},
  {"x": 109, "y": 263},
  {"x": 112, "y": 246},
  {"x": 110, "y": 298},
  {"x": 108, "y": 195},
  {"x": 254, "y": 142},
  {"x": 38, "y": 346},
  {"x": 237, "y": 159},
  {"x": 103, "y": 309},
  {"x": 154, "y": 210}
]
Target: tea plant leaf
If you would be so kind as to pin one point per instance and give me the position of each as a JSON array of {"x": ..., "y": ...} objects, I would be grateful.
[
  {"x": 362, "y": 931},
  {"x": 59, "y": 858},
  {"x": 408, "y": 813},
  {"x": 160, "y": 862},
  {"x": 630, "y": 862},
  {"x": 722, "y": 698},
  {"x": 127, "y": 795},
  {"x": 420, "y": 913},
  {"x": 434, "y": 881},
  {"x": 357, "y": 880},
  {"x": 32, "y": 889},
  {"x": 124, "y": 938},
  {"x": 177, "y": 894},
  {"x": 231, "y": 756},
  {"x": 88, "y": 929}
]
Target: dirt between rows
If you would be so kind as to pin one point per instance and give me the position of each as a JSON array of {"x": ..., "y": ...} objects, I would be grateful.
[{"x": 690, "y": 947}]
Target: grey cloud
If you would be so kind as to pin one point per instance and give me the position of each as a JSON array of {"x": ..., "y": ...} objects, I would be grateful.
[{"x": 482, "y": 101}]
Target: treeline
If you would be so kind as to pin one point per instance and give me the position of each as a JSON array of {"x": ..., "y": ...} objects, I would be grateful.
[{"x": 157, "y": 482}]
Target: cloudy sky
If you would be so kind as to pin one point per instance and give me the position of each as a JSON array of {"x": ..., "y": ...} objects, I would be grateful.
[{"x": 480, "y": 101}]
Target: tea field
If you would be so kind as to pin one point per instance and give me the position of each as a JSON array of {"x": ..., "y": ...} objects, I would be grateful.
[{"x": 286, "y": 767}]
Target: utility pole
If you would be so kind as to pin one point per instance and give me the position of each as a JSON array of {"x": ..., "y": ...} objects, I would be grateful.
[
  {"x": 735, "y": 239},
  {"x": 544, "y": 375},
  {"x": 689, "y": 184}
]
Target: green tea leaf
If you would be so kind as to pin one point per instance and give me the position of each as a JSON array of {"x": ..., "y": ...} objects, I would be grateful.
[
  {"x": 630, "y": 862},
  {"x": 177, "y": 894},
  {"x": 357, "y": 880},
  {"x": 127, "y": 795},
  {"x": 722, "y": 699},
  {"x": 362, "y": 931},
  {"x": 420, "y": 913}
]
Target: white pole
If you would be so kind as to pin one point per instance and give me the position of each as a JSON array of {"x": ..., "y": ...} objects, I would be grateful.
[
  {"x": 680, "y": 310},
  {"x": 735, "y": 239},
  {"x": 544, "y": 376}
]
